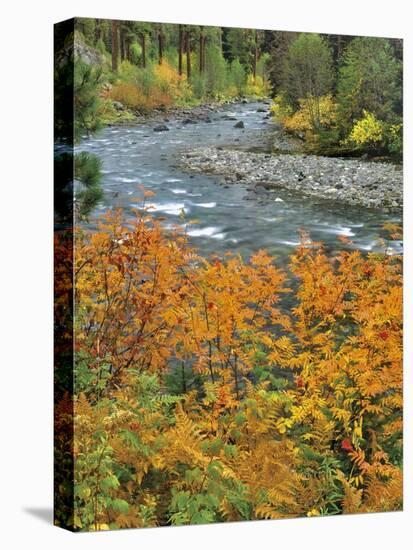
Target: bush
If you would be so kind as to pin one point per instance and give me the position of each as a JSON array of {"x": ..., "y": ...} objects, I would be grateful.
[
  {"x": 136, "y": 53},
  {"x": 327, "y": 440},
  {"x": 368, "y": 131},
  {"x": 302, "y": 121},
  {"x": 100, "y": 46},
  {"x": 198, "y": 85},
  {"x": 168, "y": 80},
  {"x": 394, "y": 139},
  {"x": 259, "y": 88},
  {"x": 280, "y": 108},
  {"x": 145, "y": 80},
  {"x": 127, "y": 72},
  {"x": 129, "y": 95}
]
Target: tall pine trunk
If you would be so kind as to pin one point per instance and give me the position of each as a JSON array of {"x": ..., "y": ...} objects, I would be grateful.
[
  {"x": 188, "y": 54},
  {"x": 98, "y": 30},
  {"x": 255, "y": 59},
  {"x": 201, "y": 49},
  {"x": 180, "y": 49},
  {"x": 115, "y": 46},
  {"x": 160, "y": 45},
  {"x": 122, "y": 43}
]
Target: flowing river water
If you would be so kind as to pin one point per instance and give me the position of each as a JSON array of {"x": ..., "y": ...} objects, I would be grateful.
[{"x": 137, "y": 155}]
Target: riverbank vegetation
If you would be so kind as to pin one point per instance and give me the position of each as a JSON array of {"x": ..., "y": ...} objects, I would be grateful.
[
  {"x": 342, "y": 95},
  {"x": 199, "y": 397},
  {"x": 148, "y": 65}
]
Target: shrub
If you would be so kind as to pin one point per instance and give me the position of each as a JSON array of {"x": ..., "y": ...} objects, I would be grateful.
[
  {"x": 325, "y": 441},
  {"x": 145, "y": 80},
  {"x": 128, "y": 94},
  {"x": 198, "y": 85},
  {"x": 259, "y": 88},
  {"x": 394, "y": 139},
  {"x": 368, "y": 131},
  {"x": 310, "y": 118},
  {"x": 100, "y": 46},
  {"x": 280, "y": 108}
]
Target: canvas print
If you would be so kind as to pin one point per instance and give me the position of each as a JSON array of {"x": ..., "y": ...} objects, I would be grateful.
[{"x": 228, "y": 274}]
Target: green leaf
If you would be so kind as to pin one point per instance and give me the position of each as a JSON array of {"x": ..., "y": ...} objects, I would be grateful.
[
  {"x": 109, "y": 482},
  {"x": 120, "y": 505}
]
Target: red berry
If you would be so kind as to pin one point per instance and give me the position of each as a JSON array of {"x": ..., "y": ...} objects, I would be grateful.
[
  {"x": 299, "y": 382},
  {"x": 346, "y": 445}
]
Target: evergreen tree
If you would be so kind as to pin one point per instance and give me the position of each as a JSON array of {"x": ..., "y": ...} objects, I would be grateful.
[
  {"x": 308, "y": 73},
  {"x": 369, "y": 80}
]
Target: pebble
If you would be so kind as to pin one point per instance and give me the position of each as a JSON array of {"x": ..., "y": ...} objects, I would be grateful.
[{"x": 351, "y": 181}]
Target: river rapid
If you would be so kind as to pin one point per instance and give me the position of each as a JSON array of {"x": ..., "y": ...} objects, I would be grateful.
[{"x": 227, "y": 218}]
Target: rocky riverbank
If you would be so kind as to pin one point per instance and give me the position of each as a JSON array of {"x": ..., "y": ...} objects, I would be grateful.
[
  {"x": 351, "y": 181},
  {"x": 191, "y": 113}
]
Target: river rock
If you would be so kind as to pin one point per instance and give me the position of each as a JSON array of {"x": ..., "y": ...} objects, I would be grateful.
[
  {"x": 161, "y": 128},
  {"x": 118, "y": 105},
  {"x": 350, "y": 181},
  {"x": 239, "y": 124}
]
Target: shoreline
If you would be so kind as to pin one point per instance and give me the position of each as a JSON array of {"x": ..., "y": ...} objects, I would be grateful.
[
  {"x": 198, "y": 112},
  {"x": 280, "y": 162},
  {"x": 375, "y": 185}
]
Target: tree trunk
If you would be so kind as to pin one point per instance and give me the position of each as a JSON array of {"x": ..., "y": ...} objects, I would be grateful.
[
  {"x": 201, "y": 49},
  {"x": 180, "y": 49},
  {"x": 255, "y": 61},
  {"x": 127, "y": 49},
  {"x": 98, "y": 30},
  {"x": 143, "y": 46},
  {"x": 204, "y": 54},
  {"x": 122, "y": 44},
  {"x": 160, "y": 45},
  {"x": 188, "y": 54},
  {"x": 115, "y": 46}
]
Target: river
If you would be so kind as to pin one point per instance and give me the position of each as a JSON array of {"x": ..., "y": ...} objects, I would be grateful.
[{"x": 137, "y": 155}]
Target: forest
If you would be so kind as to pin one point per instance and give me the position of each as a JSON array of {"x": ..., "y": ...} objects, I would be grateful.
[
  {"x": 224, "y": 386},
  {"x": 338, "y": 93}
]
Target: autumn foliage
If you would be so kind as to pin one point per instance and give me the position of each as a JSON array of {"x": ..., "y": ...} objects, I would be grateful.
[{"x": 225, "y": 389}]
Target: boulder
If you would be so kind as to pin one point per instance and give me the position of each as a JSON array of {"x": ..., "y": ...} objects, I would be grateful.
[
  {"x": 118, "y": 105},
  {"x": 161, "y": 128},
  {"x": 239, "y": 124}
]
